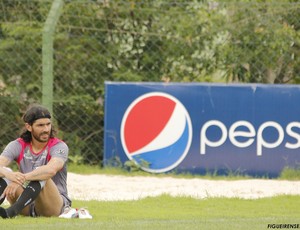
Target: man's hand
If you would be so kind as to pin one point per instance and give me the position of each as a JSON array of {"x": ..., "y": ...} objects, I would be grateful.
[
  {"x": 10, "y": 191},
  {"x": 17, "y": 177}
]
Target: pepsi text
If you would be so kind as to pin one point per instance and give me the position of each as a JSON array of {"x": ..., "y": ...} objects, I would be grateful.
[{"x": 251, "y": 135}]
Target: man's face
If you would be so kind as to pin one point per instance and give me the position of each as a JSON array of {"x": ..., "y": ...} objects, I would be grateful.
[{"x": 40, "y": 129}]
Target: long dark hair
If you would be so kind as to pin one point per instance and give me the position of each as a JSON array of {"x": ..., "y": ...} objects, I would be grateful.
[{"x": 33, "y": 113}]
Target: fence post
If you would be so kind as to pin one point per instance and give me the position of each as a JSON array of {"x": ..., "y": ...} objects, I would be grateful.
[{"x": 47, "y": 53}]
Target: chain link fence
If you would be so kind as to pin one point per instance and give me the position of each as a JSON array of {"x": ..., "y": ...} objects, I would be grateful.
[{"x": 151, "y": 40}]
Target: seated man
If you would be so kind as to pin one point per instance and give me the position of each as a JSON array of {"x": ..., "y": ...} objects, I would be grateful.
[{"x": 39, "y": 188}]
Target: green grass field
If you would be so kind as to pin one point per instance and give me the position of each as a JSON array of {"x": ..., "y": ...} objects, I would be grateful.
[{"x": 166, "y": 212}]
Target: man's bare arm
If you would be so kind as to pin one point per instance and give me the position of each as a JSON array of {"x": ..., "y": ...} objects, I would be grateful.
[
  {"x": 47, "y": 171},
  {"x": 16, "y": 177}
]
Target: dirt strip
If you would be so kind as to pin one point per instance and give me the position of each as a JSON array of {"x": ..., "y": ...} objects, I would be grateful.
[{"x": 113, "y": 188}]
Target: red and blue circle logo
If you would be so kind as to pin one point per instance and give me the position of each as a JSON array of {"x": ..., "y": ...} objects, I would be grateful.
[{"x": 156, "y": 128}]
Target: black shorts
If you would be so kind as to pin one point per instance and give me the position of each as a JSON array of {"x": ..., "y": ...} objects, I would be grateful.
[{"x": 33, "y": 213}]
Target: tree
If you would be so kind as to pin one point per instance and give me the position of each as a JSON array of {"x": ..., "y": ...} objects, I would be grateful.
[{"x": 261, "y": 44}]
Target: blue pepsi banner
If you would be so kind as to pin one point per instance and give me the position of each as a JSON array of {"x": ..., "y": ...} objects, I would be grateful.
[{"x": 199, "y": 128}]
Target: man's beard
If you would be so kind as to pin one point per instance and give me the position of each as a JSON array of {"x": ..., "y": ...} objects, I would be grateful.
[{"x": 39, "y": 139}]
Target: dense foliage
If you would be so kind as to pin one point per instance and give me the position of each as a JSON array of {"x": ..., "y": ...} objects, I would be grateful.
[{"x": 151, "y": 40}]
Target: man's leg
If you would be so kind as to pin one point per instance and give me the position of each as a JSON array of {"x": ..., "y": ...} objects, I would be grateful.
[
  {"x": 26, "y": 197},
  {"x": 3, "y": 185},
  {"x": 12, "y": 200},
  {"x": 49, "y": 202}
]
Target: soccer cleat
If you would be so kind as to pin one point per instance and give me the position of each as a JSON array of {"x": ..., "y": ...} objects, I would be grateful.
[
  {"x": 69, "y": 213},
  {"x": 3, "y": 213},
  {"x": 84, "y": 214}
]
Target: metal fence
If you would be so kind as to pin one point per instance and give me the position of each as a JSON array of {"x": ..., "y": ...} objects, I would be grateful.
[{"x": 60, "y": 53}]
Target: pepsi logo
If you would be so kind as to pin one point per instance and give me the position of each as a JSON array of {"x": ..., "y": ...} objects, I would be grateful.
[{"x": 156, "y": 128}]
